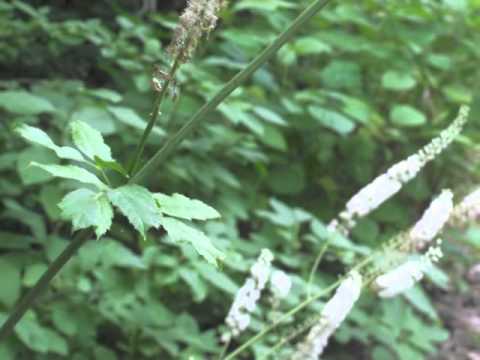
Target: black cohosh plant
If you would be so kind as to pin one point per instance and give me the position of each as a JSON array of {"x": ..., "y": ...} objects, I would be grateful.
[
  {"x": 389, "y": 271},
  {"x": 92, "y": 160}
]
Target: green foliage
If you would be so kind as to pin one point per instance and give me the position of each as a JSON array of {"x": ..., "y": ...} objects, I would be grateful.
[{"x": 361, "y": 86}]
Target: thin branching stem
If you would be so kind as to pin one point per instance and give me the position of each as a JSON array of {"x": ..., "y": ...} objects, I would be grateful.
[
  {"x": 153, "y": 117},
  {"x": 229, "y": 87}
]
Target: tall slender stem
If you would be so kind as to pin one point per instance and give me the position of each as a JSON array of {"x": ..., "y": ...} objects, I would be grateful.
[
  {"x": 153, "y": 117},
  {"x": 33, "y": 294},
  {"x": 223, "y": 93}
]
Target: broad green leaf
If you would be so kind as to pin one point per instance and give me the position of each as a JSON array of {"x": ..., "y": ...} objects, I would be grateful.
[
  {"x": 85, "y": 208},
  {"x": 24, "y": 103},
  {"x": 405, "y": 115},
  {"x": 398, "y": 81},
  {"x": 180, "y": 206},
  {"x": 72, "y": 172},
  {"x": 130, "y": 117},
  {"x": 90, "y": 141},
  {"x": 342, "y": 74},
  {"x": 138, "y": 205},
  {"x": 332, "y": 119},
  {"x": 37, "y": 136},
  {"x": 179, "y": 231},
  {"x": 106, "y": 94},
  {"x": 311, "y": 46},
  {"x": 10, "y": 289},
  {"x": 31, "y": 175},
  {"x": 97, "y": 117}
]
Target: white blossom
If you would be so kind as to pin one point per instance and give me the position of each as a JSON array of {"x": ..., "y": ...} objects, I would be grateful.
[
  {"x": 468, "y": 209},
  {"x": 388, "y": 184},
  {"x": 433, "y": 220},
  {"x": 280, "y": 284},
  {"x": 333, "y": 314},
  {"x": 399, "y": 279},
  {"x": 405, "y": 276},
  {"x": 245, "y": 302}
]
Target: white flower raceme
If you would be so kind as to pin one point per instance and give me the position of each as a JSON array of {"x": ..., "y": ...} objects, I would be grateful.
[
  {"x": 405, "y": 276},
  {"x": 399, "y": 279},
  {"x": 388, "y": 184},
  {"x": 433, "y": 220},
  {"x": 333, "y": 314},
  {"x": 280, "y": 284},
  {"x": 246, "y": 299},
  {"x": 468, "y": 210}
]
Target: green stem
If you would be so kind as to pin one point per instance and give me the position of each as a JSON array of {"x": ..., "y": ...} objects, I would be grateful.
[
  {"x": 153, "y": 117},
  {"x": 316, "y": 264},
  {"x": 229, "y": 87},
  {"x": 34, "y": 293}
]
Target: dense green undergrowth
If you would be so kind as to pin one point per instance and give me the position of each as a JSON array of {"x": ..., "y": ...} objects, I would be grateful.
[{"x": 362, "y": 86}]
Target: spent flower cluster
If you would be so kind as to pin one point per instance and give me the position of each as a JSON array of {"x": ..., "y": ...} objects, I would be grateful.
[{"x": 198, "y": 20}]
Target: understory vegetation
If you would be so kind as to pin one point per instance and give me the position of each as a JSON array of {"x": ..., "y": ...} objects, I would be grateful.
[{"x": 338, "y": 167}]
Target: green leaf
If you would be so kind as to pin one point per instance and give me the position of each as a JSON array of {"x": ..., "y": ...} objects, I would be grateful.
[
  {"x": 24, "y": 103},
  {"x": 405, "y": 115},
  {"x": 130, "y": 117},
  {"x": 31, "y": 175},
  {"x": 72, "y": 172},
  {"x": 332, "y": 119},
  {"x": 311, "y": 46},
  {"x": 138, "y": 205},
  {"x": 33, "y": 273},
  {"x": 342, "y": 74},
  {"x": 106, "y": 94},
  {"x": 398, "y": 81},
  {"x": 180, "y": 206},
  {"x": 90, "y": 141},
  {"x": 85, "y": 208},
  {"x": 179, "y": 231},
  {"x": 97, "y": 117},
  {"x": 11, "y": 288},
  {"x": 37, "y": 136},
  {"x": 111, "y": 165}
]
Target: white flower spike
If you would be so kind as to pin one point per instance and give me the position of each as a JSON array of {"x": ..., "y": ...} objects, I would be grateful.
[
  {"x": 333, "y": 314},
  {"x": 388, "y": 184},
  {"x": 433, "y": 220},
  {"x": 246, "y": 299},
  {"x": 280, "y": 284}
]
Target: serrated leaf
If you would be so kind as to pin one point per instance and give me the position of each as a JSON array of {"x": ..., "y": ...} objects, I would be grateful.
[
  {"x": 24, "y": 103},
  {"x": 138, "y": 205},
  {"x": 72, "y": 172},
  {"x": 86, "y": 208},
  {"x": 37, "y": 136},
  {"x": 180, "y": 206},
  {"x": 90, "y": 141},
  {"x": 179, "y": 231}
]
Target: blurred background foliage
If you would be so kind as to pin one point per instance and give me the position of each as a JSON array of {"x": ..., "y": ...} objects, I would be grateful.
[{"x": 363, "y": 85}]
